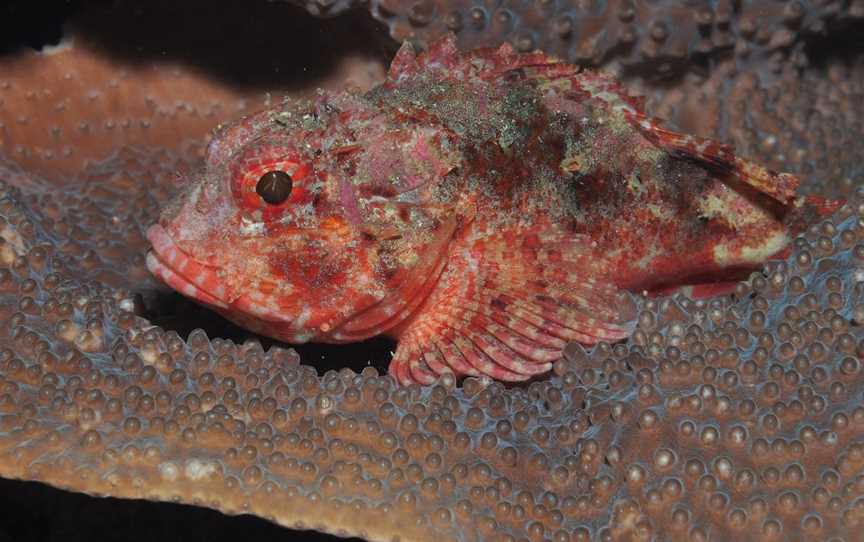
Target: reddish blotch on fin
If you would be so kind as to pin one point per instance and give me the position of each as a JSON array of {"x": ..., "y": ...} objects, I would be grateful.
[
  {"x": 507, "y": 305},
  {"x": 821, "y": 206}
]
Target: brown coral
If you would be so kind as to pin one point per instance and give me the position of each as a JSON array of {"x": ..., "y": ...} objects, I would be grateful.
[
  {"x": 100, "y": 88},
  {"x": 730, "y": 418},
  {"x": 735, "y": 418}
]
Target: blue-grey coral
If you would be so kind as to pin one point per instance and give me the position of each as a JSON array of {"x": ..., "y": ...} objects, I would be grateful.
[{"x": 737, "y": 417}]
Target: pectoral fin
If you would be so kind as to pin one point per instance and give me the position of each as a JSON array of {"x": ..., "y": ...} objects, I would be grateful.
[{"x": 506, "y": 306}]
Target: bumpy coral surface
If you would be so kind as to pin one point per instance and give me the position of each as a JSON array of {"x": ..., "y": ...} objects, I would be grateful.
[
  {"x": 735, "y": 418},
  {"x": 660, "y": 38},
  {"x": 738, "y": 417}
]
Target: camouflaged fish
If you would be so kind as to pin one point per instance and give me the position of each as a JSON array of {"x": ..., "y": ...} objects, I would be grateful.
[{"x": 482, "y": 208}]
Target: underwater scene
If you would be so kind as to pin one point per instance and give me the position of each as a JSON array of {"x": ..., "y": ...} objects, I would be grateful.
[{"x": 432, "y": 270}]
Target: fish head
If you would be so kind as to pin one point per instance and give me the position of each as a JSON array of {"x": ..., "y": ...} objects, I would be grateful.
[{"x": 312, "y": 222}]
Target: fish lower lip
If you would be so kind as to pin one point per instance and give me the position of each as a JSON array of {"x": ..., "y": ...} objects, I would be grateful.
[{"x": 171, "y": 265}]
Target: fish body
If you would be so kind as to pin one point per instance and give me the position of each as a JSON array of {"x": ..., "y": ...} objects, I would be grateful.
[{"x": 484, "y": 208}]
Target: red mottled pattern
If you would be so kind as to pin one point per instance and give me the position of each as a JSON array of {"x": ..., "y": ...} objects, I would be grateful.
[{"x": 483, "y": 208}]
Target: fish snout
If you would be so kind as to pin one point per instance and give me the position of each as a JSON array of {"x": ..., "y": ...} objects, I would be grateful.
[{"x": 176, "y": 268}]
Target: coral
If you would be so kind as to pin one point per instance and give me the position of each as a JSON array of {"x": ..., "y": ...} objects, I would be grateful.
[
  {"x": 658, "y": 37},
  {"x": 328, "y": 8},
  {"x": 806, "y": 122},
  {"x": 735, "y": 417},
  {"x": 99, "y": 89},
  {"x": 96, "y": 220},
  {"x": 60, "y": 110}
]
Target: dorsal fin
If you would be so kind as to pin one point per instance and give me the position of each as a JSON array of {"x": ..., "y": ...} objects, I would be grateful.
[
  {"x": 779, "y": 186},
  {"x": 443, "y": 51},
  {"x": 441, "y": 54},
  {"x": 404, "y": 63}
]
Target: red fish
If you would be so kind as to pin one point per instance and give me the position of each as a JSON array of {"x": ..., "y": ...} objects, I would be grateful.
[{"x": 484, "y": 208}]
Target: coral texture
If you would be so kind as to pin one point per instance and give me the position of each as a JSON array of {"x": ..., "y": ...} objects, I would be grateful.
[
  {"x": 660, "y": 38},
  {"x": 735, "y": 417},
  {"x": 113, "y": 81}
]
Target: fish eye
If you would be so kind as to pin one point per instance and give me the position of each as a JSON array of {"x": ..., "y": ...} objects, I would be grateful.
[{"x": 274, "y": 187}]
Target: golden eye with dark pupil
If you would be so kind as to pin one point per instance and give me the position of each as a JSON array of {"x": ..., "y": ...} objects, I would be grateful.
[{"x": 274, "y": 187}]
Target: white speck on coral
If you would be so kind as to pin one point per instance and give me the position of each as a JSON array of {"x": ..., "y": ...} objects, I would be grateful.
[
  {"x": 197, "y": 469},
  {"x": 168, "y": 471}
]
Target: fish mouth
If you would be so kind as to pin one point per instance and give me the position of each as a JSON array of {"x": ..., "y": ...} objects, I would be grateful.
[
  {"x": 176, "y": 269},
  {"x": 201, "y": 282}
]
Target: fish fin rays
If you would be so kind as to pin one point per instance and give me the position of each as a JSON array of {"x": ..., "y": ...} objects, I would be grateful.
[{"x": 507, "y": 305}]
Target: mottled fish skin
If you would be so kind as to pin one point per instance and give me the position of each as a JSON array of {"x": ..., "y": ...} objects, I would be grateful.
[{"x": 483, "y": 208}]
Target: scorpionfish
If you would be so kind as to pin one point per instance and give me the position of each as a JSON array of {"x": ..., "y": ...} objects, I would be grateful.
[{"x": 483, "y": 208}]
